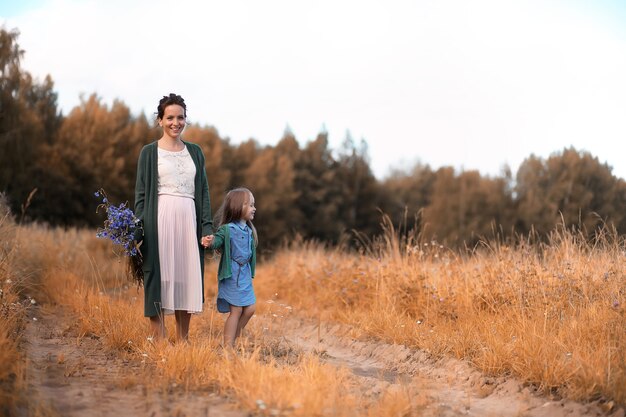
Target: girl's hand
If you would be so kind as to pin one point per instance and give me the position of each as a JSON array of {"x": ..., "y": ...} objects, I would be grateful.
[{"x": 206, "y": 241}]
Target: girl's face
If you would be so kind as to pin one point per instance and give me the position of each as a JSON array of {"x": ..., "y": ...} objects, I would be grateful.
[
  {"x": 248, "y": 209},
  {"x": 173, "y": 121}
]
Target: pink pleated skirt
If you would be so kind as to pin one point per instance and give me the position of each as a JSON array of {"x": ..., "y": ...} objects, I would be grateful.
[{"x": 181, "y": 279}]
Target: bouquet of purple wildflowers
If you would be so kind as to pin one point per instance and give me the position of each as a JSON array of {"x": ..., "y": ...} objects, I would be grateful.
[{"x": 120, "y": 227}]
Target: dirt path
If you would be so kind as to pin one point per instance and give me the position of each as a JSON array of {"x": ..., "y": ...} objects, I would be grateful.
[
  {"x": 77, "y": 376},
  {"x": 442, "y": 388}
]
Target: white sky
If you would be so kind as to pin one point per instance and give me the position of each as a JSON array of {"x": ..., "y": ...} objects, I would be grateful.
[{"x": 470, "y": 84}]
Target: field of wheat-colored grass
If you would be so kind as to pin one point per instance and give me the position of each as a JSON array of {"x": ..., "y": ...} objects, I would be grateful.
[
  {"x": 12, "y": 316},
  {"x": 78, "y": 272},
  {"x": 551, "y": 315}
]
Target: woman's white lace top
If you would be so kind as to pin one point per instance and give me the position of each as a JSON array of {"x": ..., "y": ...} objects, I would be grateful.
[{"x": 176, "y": 173}]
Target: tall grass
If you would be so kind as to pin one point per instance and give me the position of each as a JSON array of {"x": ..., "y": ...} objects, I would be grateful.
[
  {"x": 550, "y": 314},
  {"x": 12, "y": 316},
  {"x": 80, "y": 274}
]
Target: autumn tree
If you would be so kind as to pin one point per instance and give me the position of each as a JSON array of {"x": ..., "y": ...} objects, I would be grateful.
[
  {"x": 28, "y": 120},
  {"x": 320, "y": 194},
  {"x": 405, "y": 194},
  {"x": 358, "y": 207},
  {"x": 314, "y": 191},
  {"x": 96, "y": 147},
  {"x": 271, "y": 177},
  {"x": 217, "y": 153},
  {"x": 465, "y": 208},
  {"x": 238, "y": 161},
  {"x": 570, "y": 187}
]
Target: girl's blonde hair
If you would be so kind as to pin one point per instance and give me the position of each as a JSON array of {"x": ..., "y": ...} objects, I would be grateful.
[{"x": 232, "y": 209}]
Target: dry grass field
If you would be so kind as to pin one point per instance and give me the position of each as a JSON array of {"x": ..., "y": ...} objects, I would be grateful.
[{"x": 406, "y": 328}]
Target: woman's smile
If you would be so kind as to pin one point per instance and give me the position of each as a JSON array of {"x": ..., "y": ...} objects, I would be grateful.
[{"x": 173, "y": 121}]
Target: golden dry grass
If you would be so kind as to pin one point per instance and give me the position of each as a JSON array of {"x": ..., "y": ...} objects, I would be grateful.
[
  {"x": 13, "y": 307},
  {"x": 12, "y": 316},
  {"x": 552, "y": 315},
  {"x": 258, "y": 376}
]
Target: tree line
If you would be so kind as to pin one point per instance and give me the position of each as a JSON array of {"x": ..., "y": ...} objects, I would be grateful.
[{"x": 51, "y": 164}]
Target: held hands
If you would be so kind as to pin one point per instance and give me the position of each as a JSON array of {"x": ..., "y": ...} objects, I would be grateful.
[{"x": 206, "y": 241}]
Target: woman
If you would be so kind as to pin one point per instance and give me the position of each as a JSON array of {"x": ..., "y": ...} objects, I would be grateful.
[{"x": 172, "y": 202}]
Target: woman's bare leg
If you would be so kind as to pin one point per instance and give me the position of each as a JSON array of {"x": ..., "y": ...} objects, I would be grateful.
[
  {"x": 182, "y": 325},
  {"x": 157, "y": 326}
]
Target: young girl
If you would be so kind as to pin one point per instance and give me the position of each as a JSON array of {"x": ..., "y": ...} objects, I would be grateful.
[{"x": 236, "y": 238}]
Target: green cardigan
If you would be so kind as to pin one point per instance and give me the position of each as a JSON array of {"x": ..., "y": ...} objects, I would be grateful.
[
  {"x": 146, "y": 210},
  {"x": 221, "y": 240}
]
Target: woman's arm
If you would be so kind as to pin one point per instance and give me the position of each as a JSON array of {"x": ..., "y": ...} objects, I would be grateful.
[
  {"x": 207, "y": 220},
  {"x": 140, "y": 194}
]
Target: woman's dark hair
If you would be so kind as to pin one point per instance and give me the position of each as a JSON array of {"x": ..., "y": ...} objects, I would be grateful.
[{"x": 169, "y": 100}]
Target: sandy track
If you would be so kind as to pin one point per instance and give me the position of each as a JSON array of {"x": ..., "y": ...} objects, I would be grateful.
[
  {"x": 77, "y": 376},
  {"x": 441, "y": 387}
]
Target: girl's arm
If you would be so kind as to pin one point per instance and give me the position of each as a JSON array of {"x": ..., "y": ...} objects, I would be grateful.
[{"x": 219, "y": 238}]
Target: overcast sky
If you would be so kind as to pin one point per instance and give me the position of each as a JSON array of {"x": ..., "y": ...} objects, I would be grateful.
[{"x": 469, "y": 84}]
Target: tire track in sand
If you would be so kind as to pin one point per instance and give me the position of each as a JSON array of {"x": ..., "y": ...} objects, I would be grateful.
[
  {"x": 445, "y": 387},
  {"x": 77, "y": 376},
  {"x": 69, "y": 376}
]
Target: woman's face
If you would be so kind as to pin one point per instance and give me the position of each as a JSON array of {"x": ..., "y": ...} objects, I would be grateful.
[{"x": 173, "y": 121}]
